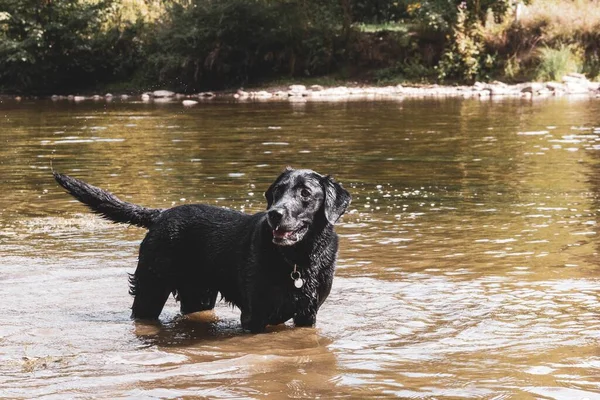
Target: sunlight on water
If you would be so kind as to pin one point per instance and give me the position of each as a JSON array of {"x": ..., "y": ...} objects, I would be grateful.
[{"x": 468, "y": 265}]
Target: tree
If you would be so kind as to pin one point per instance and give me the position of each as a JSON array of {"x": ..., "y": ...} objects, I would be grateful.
[{"x": 47, "y": 44}]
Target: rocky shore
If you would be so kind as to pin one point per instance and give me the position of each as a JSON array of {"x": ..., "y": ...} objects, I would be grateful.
[{"x": 572, "y": 84}]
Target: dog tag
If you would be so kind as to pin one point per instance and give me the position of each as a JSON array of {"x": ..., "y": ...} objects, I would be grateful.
[{"x": 295, "y": 275}]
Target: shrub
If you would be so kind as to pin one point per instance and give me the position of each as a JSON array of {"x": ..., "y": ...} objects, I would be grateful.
[
  {"x": 45, "y": 45},
  {"x": 556, "y": 63},
  {"x": 59, "y": 46},
  {"x": 464, "y": 58},
  {"x": 214, "y": 44}
]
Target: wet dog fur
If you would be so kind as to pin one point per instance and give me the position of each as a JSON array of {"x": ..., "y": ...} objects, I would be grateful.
[{"x": 197, "y": 252}]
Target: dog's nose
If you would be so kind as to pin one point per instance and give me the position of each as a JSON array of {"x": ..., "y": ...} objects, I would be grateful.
[{"x": 274, "y": 216}]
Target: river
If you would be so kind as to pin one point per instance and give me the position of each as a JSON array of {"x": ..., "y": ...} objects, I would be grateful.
[{"x": 468, "y": 264}]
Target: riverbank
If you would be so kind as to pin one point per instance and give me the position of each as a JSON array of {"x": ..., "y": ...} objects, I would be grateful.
[{"x": 572, "y": 84}]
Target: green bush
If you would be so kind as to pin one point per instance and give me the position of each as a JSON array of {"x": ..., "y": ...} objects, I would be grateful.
[
  {"x": 62, "y": 46},
  {"x": 214, "y": 44},
  {"x": 556, "y": 63},
  {"x": 464, "y": 59},
  {"x": 591, "y": 66}
]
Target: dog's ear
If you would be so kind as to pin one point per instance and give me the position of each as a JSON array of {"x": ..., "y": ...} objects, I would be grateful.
[
  {"x": 337, "y": 199},
  {"x": 269, "y": 192}
]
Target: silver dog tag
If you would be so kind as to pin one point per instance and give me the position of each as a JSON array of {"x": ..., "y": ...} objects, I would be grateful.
[{"x": 299, "y": 282}]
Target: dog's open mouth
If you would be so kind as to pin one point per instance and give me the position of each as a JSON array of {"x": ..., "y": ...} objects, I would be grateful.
[{"x": 285, "y": 237}]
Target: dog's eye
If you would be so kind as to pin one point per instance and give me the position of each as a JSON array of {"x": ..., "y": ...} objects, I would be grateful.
[{"x": 305, "y": 193}]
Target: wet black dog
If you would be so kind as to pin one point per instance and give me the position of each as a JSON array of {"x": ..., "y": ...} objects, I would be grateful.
[{"x": 273, "y": 265}]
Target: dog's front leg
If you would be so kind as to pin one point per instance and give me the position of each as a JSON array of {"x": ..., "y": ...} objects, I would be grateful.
[
  {"x": 306, "y": 320},
  {"x": 252, "y": 323},
  {"x": 308, "y": 315}
]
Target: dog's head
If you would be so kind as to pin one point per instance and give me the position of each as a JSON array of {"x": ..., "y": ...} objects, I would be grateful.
[{"x": 297, "y": 198}]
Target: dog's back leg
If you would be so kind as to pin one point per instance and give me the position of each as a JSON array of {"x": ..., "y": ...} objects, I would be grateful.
[
  {"x": 150, "y": 295},
  {"x": 152, "y": 282}
]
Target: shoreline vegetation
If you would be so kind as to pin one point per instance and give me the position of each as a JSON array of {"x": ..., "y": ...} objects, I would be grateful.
[{"x": 393, "y": 47}]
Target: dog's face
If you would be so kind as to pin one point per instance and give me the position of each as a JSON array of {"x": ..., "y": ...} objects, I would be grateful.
[{"x": 295, "y": 200}]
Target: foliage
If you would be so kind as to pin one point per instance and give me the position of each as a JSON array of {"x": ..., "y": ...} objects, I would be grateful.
[
  {"x": 402, "y": 72},
  {"x": 50, "y": 45},
  {"x": 464, "y": 58},
  {"x": 556, "y": 63},
  {"x": 69, "y": 45},
  {"x": 591, "y": 66},
  {"x": 211, "y": 44},
  {"x": 379, "y": 11},
  {"x": 444, "y": 14},
  {"x": 536, "y": 44},
  {"x": 385, "y": 27},
  {"x": 46, "y": 43},
  {"x": 560, "y": 20}
]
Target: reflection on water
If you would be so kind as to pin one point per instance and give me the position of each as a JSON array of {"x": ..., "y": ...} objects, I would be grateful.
[{"x": 468, "y": 264}]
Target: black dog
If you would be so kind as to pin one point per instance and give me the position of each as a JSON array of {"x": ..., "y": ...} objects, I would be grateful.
[{"x": 273, "y": 265}]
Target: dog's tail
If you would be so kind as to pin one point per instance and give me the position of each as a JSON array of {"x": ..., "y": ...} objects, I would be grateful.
[{"x": 106, "y": 204}]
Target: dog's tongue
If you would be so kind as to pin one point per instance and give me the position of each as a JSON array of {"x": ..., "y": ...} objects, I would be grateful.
[{"x": 282, "y": 234}]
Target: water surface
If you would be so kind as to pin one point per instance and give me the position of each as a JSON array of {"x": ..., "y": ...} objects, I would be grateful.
[{"x": 468, "y": 263}]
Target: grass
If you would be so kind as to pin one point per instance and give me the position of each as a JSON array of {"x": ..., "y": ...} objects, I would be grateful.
[
  {"x": 387, "y": 27},
  {"x": 556, "y": 63}
]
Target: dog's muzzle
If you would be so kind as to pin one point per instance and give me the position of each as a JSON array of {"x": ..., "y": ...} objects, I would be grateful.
[{"x": 285, "y": 233}]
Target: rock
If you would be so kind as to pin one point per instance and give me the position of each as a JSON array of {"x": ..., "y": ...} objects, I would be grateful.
[
  {"x": 206, "y": 95},
  {"x": 70, "y": 97},
  {"x": 577, "y": 76},
  {"x": 108, "y": 96},
  {"x": 146, "y": 97},
  {"x": 78, "y": 98},
  {"x": 262, "y": 95},
  {"x": 240, "y": 94},
  {"x": 556, "y": 86},
  {"x": 594, "y": 86},
  {"x": 297, "y": 88},
  {"x": 280, "y": 93},
  {"x": 189, "y": 103},
  {"x": 124, "y": 97},
  {"x": 163, "y": 93},
  {"x": 96, "y": 97},
  {"x": 317, "y": 88},
  {"x": 576, "y": 88},
  {"x": 339, "y": 91},
  {"x": 545, "y": 92},
  {"x": 55, "y": 97},
  {"x": 531, "y": 87},
  {"x": 499, "y": 90}
]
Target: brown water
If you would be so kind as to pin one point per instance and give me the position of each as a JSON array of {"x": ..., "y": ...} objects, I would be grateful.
[{"x": 468, "y": 267}]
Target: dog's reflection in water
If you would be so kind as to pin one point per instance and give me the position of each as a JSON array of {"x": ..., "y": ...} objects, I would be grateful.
[
  {"x": 201, "y": 327},
  {"x": 217, "y": 354}
]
